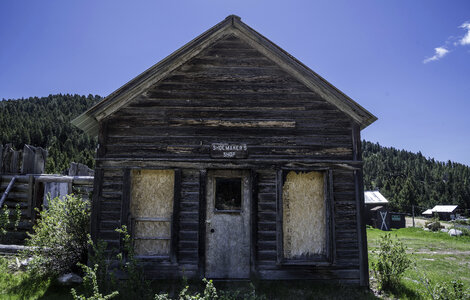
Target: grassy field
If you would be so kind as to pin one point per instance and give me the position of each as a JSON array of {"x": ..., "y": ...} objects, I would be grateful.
[
  {"x": 21, "y": 285},
  {"x": 436, "y": 255}
]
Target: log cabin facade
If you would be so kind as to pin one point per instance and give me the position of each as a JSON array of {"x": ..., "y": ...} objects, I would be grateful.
[{"x": 231, "y": 159}]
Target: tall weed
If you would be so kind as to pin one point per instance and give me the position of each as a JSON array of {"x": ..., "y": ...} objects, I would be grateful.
[
  {"x": 391, "y": 261},
  {"x": 59, "y": 239}
]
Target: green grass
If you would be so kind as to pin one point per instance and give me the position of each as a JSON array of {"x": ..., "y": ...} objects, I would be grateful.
[
  {"x": 22, "y": 285},
  {"x": 437, "y": 255},
  {"x": 441, "y": 257}
]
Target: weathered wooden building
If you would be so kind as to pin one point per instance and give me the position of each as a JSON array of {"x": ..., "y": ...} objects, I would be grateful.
[{"x": 232, "y": 159}]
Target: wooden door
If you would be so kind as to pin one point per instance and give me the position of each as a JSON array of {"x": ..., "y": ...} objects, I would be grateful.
[{"x": 228, "y": 229}]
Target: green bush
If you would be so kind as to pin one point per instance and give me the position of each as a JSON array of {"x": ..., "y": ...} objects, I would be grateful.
[
  {"x": 59, "y": 239},
  {"x": 6, "y": 222},
  {"x": 434, "y": 225},
  {"x": 391, "y": 262},
  {"x": 210, "y": 293},
  {"x": 462, "y": 222},
  {"x": 453, "y": 290},
  {"x": 91, "y": 282},
  {"x": 447, "y": 290},
  {"x": 110, "y": 261}
]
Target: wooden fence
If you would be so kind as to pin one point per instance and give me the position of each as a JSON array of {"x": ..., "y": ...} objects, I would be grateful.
[
  {"x": 30, "y": 192},
  {"x": 32, "y": 160}
]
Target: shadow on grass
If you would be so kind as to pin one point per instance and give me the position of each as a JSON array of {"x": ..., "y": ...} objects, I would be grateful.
[
  {"x": 37, "y": 287},
  {"x": 58, "y": 292},
  {"x": 27, "y": 286},
  {"x": 41, "y": 288},
  {"x": 403, "y": 292},
  {"x": 309, "y": 290},
  {"x": 276, "y": 290}
]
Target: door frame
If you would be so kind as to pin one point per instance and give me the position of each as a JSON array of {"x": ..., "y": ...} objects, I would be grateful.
[{"x": 252, "y": 198}]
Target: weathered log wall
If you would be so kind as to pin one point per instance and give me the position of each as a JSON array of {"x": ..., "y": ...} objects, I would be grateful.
[
  {"x": 231, "y": 93},
  {"x": 28, "y": 192}
]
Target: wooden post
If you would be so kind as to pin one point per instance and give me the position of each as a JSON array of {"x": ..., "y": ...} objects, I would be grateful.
[
  {"x": 202, "y": 223},
  {"x": 28, "y": 159},
  {"x": 1, "y": 158},
  {"x": 95, "y": 203},
  {"x": 30, "y": 210},
  {"x": 8, "y": 189},
  {"x": 413, "y": 211},
  {"x": 254, "y": 222},
  {"x": 40, "y": 157},
  {"x": 176, "y": 219},
  {"x": 279, "y": 229},
  {"x": 126, "y": 201}
]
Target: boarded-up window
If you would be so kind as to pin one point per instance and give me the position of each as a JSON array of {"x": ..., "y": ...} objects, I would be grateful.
[
  {"x": 303, "y": 209},
  {"x": 152, "y": 209}
]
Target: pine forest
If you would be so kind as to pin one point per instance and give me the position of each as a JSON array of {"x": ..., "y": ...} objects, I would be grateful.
[{"x": 403, "y": 177}]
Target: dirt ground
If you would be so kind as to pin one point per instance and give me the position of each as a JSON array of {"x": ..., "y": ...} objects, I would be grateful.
[{"x": 419, "y": 222}]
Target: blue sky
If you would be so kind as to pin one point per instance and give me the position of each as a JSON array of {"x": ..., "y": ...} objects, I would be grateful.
[{"x": 380, "y": 53}]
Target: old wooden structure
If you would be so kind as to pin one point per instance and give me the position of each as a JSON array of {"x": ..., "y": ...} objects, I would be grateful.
[
  {"x": 231, "y": 159},
  {"x": 25, "y": 187}
]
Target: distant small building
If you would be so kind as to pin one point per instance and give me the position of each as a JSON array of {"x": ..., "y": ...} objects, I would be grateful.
[
  {"x": 374, "y": 198},
  {"x": 377, "y": 213},
  {"x": 374, "y": 203},
  {"x": 445, "y": 212},
  {"x": 427, "y": 213}
]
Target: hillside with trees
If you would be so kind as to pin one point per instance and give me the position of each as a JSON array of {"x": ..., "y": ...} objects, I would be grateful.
[
  {"x": 403, "y": 177},
  {"x": 407, "y": 178},
  {"x": 45, "y": 122}
]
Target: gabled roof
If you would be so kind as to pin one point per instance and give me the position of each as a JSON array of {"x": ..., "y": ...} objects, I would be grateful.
[
  {"x": 444, "y": 208},
  {"x": 374, "y": 197},
  {"x": 88, "y": 121}
]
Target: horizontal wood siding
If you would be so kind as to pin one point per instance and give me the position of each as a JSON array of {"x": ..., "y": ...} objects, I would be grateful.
[
  {"x": 266, "y": 247},
  {"x": 229, "y": 93},
  {"x": 189, "y": 218},
  {"x": 345, "y": 266},
  {"x": 109, "y": 207},
  {"x": 20, "y": 194},
  {"x": 345, "y": 213}
]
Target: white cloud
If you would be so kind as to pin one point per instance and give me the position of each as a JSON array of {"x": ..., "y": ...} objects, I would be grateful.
[
  {"x": 440, "y": 53},
  {"x": 466, "y": 39},
  {"x": 451, "y": 42}
]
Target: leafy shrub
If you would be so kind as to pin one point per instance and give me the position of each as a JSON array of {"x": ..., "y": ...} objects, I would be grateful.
[
  {"x": 91, "y": 281},
  {"x": 59, "y": 239},
  {"x": 453, "y": 290},
  {"x": 391, "y": 262},
  {"x": 7, "y": 223},
  {"x": 465, "y": 231},
  {"x": 447, "y": 290},
  {"x": 433, "y": 225},
  {"x": 135, "y": 286},
  {"x": 210, "y": 293}
]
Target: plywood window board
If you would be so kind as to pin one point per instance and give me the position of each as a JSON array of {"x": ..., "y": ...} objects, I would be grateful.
[
  {"x": 304, "y": 215},
  {"x": 152, "y": 196}
]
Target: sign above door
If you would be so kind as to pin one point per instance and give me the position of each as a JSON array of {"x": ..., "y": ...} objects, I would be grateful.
[{"x": 226, "y": 150}]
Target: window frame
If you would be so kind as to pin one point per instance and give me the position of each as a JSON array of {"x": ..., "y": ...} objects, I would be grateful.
[
  {"x": 322, "y": 259},
  {"x": 174, "y": 225},
  {"x": 228, "y": 211}
]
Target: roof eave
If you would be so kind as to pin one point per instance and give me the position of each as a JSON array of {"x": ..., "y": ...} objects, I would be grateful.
[
  {"x": 112, "y": 102},
  {"x": 311, "y": 79},
  {"x": 88, "y": 121}
]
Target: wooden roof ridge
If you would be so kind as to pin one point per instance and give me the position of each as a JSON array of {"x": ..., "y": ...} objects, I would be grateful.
[{"x": 231, "y": 25}]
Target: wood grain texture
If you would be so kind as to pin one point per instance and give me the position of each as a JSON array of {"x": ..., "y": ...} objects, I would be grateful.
[{"x": 231, "y": 93}]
